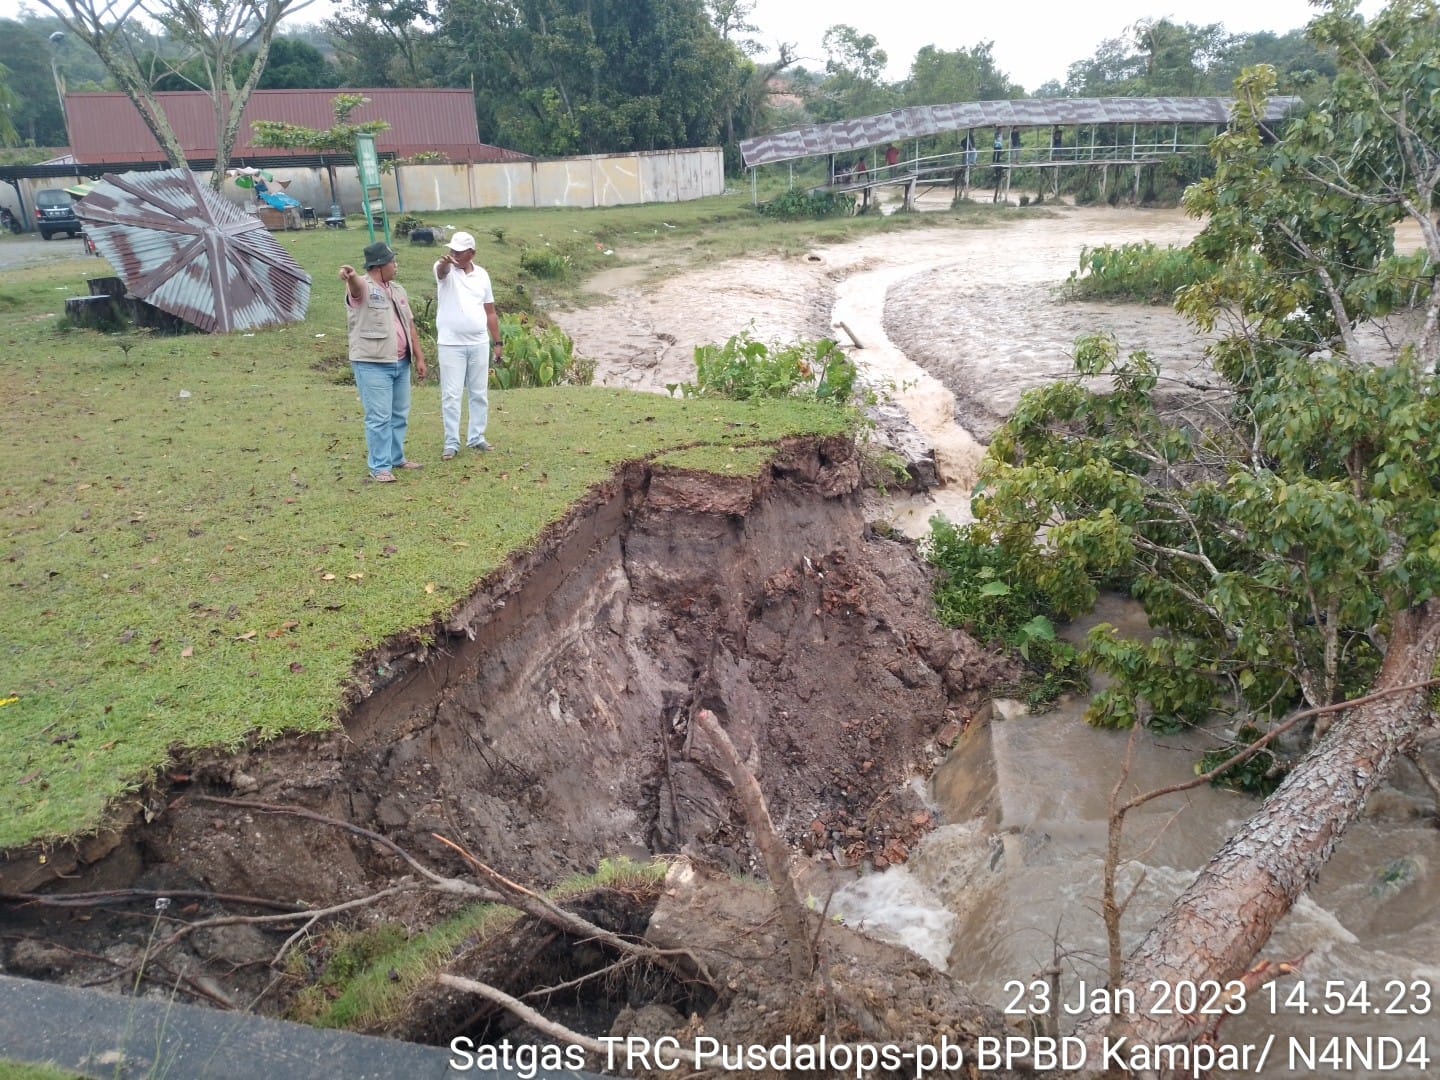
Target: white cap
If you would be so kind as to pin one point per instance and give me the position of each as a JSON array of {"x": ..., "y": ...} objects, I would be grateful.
[{"x": 462, "y": 241}]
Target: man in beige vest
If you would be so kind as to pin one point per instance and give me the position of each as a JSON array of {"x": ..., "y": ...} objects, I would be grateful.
[{"x": 383, "y": 346}]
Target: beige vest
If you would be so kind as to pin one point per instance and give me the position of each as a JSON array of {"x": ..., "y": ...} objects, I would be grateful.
[{"x": 372, "y": 324}]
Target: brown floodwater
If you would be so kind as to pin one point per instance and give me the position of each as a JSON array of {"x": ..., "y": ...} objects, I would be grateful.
[{"x": 957, "y": 324}]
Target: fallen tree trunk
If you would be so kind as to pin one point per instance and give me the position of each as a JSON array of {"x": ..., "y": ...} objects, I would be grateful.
[{"x": 1215, "y": 929}]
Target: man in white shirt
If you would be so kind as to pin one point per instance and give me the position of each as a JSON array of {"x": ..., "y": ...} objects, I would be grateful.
[{"x": 467, "y": 329}]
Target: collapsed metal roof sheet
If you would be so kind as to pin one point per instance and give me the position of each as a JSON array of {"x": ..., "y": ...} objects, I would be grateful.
[
  {"x": 192, "y": 253},
  {"x": 922, "y": 120}
]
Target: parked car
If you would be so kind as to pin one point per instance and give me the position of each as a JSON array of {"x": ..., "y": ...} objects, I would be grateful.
[{"x": 55, "y": 213}]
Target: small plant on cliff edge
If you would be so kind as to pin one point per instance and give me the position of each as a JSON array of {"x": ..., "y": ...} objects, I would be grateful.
[{"x": 744, "y": 369}]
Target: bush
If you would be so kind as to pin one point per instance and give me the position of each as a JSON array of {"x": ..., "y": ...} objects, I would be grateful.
[
  {"x": 989, "y": 594},
  {"x": 534, "y": 357},
  {"x": 1140, "y": 272},
  {"x": 744, "y": 368},
  {"x": 544, "y": 263},
  {"x": 800, "y": 205}
]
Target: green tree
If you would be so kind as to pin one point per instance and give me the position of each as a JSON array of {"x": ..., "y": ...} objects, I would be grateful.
[
  {"x": 8, "y": 135},
  {"x": 34, "y": 109},
  {"x": 1286, "y": 545},
  {"x": 295, "y": 65},
  {"x": 384, "y": 42},
  {"x": 942, "y": 76},
  {"x": 338, "y": 140},
  {"x": 593, "y": 76},
  {"x": 1158, "y": 58},
  {"x": 1300, "y": 65},
  {"x": 853, "y": 84},
  {"x": 212, "y": 33},
  {"x": 1114, "y": 69}
]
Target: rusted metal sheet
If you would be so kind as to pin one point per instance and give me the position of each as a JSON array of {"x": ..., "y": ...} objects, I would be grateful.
[
  {"x": 107, "y": 128},
  {"x": 193, "y": 253},
  {"x": 922, "y": 120}
]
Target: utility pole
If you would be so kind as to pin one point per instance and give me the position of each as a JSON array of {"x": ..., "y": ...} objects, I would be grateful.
[{"x": 55, "y": 39}]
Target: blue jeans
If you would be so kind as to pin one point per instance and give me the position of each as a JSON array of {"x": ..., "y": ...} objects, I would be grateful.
[
  {"x": 385, "y": 394},
  {"x": 464, "y": 369}
]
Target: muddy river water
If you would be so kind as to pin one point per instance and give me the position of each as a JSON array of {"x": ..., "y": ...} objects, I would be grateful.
[{"x": 960, "y": 323}]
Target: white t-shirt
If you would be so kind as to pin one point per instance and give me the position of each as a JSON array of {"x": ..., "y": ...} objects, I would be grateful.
[{"x": 460, "y": 307}]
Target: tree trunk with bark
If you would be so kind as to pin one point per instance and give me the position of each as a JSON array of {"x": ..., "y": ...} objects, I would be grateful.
[{"x": 1219, "y": 924}]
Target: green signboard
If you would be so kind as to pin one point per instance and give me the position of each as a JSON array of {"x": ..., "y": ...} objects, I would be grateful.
[
  {"x": 367, "y": 160},
  {"x": 367, "y": 164}
]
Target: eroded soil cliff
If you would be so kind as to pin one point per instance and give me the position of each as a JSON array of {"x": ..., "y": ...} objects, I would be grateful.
[{"x": 546, "y": 725}]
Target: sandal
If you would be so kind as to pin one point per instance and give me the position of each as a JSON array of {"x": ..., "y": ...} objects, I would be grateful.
[
  {"x": 411, "y": 465},
  {"x": 383, "y": 478}
]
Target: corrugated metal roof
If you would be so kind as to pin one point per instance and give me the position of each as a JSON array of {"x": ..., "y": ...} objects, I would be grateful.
[
  {"x": 107, "y": 127},
  {"x": 922, "y": 120},
  {"x": 192, "y": 253}
]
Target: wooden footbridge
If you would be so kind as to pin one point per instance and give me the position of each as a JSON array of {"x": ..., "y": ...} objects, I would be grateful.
[{"x": 997, "y": 140}]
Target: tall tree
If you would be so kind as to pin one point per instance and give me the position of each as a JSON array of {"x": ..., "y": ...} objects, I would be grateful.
[
  {"x": 942, "y": 76},
  {"x": 8, "y": 135},
  {"x": 213, "y": 32},
  {"x": 732, "y": 19},
  {"x": 1286, "y": 546},
  {"x": 1178, "y": 59},
  {"x": 383, "y": 42},
  {"x": 35, "y": 110},
  {"x": 1300, "y": 65},
  {"x": 294, "y": 64},
  {"x": 594, "y": 76},
  {"x": 1157, "y": 58},
  {"x": 854, "y": 77}
]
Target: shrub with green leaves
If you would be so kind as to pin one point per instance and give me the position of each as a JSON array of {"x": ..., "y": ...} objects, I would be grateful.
[
  {"x": 988, "y": 591},
  {"x": 744, "y": 369},
  {"x": 1143, "y": 273},
  {"x": 535, "y": 357},
  {"x": 801, "y": 205},
  {"x": 546, "y": 263}
]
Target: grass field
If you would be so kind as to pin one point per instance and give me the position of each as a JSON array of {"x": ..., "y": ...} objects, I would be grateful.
[{"x": 192, "y": 555}]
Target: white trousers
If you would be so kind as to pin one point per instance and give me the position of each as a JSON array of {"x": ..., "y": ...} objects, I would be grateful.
[{"x": 464, "y": 369}]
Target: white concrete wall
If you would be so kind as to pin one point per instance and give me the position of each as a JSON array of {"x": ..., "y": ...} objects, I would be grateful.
[{"x": 595, "y": 180}]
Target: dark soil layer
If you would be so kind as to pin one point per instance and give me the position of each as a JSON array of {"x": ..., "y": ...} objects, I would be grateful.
[{"x": 548, "y": 726}]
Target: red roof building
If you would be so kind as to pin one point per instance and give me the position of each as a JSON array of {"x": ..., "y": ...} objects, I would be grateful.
[{"x": 106, "y": 129}]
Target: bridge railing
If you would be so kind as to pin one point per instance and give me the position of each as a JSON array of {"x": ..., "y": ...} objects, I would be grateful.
[{"x": 931, "y": 166}]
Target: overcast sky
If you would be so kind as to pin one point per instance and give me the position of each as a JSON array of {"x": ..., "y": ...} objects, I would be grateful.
[{"x": 1035, "y": 40}]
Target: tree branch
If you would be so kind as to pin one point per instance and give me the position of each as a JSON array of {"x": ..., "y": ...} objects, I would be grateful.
[{"x": 772, "y": 849}]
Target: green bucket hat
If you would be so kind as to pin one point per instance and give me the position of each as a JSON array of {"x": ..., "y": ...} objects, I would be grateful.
[{"x": 378, "y": 254}]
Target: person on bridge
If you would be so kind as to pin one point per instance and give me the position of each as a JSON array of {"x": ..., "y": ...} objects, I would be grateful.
[{"x": 892, "y": 157}]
